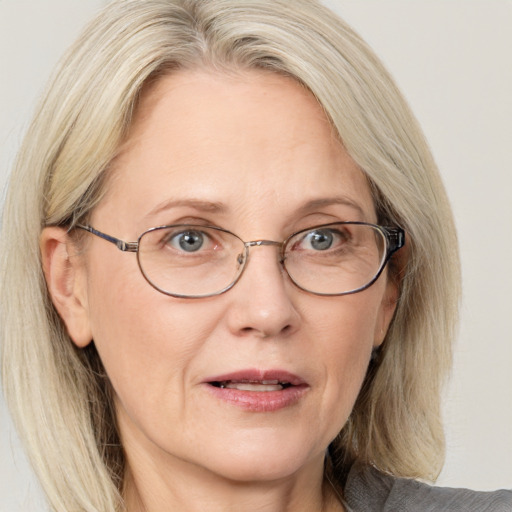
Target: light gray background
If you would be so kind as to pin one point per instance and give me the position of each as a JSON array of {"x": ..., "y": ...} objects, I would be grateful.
[{"x": 452, "y": 58}]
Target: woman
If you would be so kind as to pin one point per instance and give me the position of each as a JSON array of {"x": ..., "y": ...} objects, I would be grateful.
[{"x": 276, "y": 343}]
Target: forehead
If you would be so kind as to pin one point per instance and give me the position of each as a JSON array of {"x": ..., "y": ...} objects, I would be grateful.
[{"x": 254, "y": 141}]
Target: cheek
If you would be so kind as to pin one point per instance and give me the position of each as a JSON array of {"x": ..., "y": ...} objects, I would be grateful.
[
  {"x": 345, "y": 337},
  {"x": 146, "y": 341}
]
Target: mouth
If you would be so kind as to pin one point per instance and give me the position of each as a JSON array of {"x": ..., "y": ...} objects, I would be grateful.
[
  {"x": 258, "y": 390},
  {"x": 252, "y": 385}
]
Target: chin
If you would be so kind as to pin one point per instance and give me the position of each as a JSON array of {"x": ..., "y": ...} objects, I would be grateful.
[
  {"x": 264, "y": 461},
  {"x": 258, "y": 471}
]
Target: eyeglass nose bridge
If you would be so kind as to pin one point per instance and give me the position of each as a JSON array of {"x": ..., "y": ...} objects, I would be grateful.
[{"x": 261, "y": 243}]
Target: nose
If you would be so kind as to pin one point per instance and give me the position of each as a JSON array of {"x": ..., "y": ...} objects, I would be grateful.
[{"x": 261, "y": 302}]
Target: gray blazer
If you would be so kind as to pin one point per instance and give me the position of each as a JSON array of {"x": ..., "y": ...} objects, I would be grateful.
[{"x": 368, "y": 490}]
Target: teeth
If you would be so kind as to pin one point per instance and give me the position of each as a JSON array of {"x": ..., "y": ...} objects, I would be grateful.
[
  {"x": 250, "y": 386},
  {"x": 247, "y": 385}
]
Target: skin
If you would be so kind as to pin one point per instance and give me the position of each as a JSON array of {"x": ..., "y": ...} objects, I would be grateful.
[{"x": 258, "y": 145}]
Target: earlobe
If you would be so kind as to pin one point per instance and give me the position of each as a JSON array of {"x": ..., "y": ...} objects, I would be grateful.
[{"x": 65, "y": 278}]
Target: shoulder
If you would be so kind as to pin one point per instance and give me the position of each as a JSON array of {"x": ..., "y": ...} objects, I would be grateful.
[{"x": 368, "y": 490}]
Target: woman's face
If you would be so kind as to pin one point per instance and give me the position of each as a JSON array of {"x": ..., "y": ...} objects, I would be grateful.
[{"x": 255, "y": 154}]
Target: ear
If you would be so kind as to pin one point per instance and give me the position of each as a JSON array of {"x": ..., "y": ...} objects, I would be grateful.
[
  {"x": 65, "y": 276},
  {"x": 395, "y": 273},
  {"x": 386, "y": 311}
]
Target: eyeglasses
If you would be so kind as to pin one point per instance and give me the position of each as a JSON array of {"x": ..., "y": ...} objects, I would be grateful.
[{"x": 194, "y": 261}]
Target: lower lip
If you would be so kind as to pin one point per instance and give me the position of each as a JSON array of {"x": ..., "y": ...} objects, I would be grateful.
[{"x": 260, "y": 401}]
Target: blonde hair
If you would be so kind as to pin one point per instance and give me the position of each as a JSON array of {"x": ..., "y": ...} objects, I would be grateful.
[{"x": 59, "y": 396}]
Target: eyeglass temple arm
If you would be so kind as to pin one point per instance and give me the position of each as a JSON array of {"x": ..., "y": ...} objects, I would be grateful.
[
  {"x": 396, "y": 237},
  {"x": 120, "y": 244}
]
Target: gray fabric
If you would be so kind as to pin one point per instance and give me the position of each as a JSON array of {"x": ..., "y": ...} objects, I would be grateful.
[{"x": 368, "y": 490}]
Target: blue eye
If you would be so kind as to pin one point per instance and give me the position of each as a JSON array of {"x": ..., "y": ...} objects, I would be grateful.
[
  {"x": 188, "y": 241},
  {"x": 323, "y": 240},
  {"x": 319, "y": 240}
]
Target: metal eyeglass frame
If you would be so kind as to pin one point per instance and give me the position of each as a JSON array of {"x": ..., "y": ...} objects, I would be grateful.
[{"x": 395, "y": 240}]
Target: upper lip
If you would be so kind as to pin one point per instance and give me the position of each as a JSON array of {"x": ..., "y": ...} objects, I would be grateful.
[{"x": 256, "y": 375}]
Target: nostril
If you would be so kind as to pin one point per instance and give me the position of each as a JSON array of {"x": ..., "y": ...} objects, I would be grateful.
[
  {"x": 264, "y": 334},
  {"x": 286, "y": 329}
]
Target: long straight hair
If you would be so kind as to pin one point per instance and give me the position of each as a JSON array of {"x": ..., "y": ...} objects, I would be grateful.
[{"x": 59, "y": 396}]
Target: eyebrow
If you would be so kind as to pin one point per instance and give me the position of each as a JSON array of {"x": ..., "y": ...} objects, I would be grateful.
[
  {"x": 329, "y": 201},
  {"x": 216, "y": 207},
  {"x": 197, "y": 204}
]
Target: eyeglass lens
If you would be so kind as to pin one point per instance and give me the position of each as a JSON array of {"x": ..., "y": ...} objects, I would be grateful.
[{"x": 196, "y": 261}]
